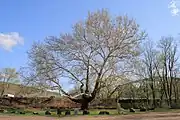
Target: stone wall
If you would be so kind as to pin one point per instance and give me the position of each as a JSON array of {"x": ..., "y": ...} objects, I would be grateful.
[{"x": 37, "y": 102}]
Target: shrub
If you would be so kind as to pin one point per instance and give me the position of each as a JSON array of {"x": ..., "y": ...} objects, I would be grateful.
[
  {"x": 1, "y": 111},
  {"x": 103, "y": 113},
  {"x": 68, "y": 112},
  {"x": 35, "y": 113},
  {"x": 59, "y": 111},
  {"x": 47, "y": 113},
  {"x": 21, "y": 112},
  {"x": 85, "y": 112},
  {"x": 132, "y": 110},
  {"x": 142, "y": 109}
]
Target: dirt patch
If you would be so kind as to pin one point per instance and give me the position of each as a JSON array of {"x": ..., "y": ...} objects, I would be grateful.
[
  {"x": 146, "y": 116},
  {"x": 150, "y": 116}
]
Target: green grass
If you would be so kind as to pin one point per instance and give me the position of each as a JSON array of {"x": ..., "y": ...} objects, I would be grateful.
[
  {"x": 96, "y": 111},
  {"x": 93, "y": 112},
  {"x": 29, "y": 112},
  {"x": 166, "y": 110}
]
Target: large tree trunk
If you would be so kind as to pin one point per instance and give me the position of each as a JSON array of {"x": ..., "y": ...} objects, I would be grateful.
[
  {"x": 84, "y": 101},
  {"x": 154, "y": 99},
  {"x": 84, "y": 105}
]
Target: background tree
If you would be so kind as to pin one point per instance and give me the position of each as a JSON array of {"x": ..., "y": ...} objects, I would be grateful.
[
  {"x": 167, "y": 66},
  {"x": 29, "y": 85},
  {"x": 7, "y": 77},
  {"x": 149, "y": 59},
  {"x": 158, "y": 69},
  {"x": 87, "y": 56},
  {"x": 112, "y": 87}
]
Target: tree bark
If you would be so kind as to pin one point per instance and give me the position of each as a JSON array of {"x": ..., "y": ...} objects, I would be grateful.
[
  {"x": 84, "y": 101},
  {"x": 154, "y": 100},
  {"x": 84, "y": 104}
]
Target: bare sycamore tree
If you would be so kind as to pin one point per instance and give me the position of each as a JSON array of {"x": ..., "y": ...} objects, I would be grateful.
[
  {"x": 139, "y": 72},
  {"x": 88, "y": 55},
  {"x": 167, "y": 66},
  {"x": 7, "y": 76},
  {"x": 157, "y": 70},
  {"x": 149, "y": 59},
  {"x": 143, "y": 67}
]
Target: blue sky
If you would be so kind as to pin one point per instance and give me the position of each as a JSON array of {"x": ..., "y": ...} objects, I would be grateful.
[{"x": 25, "y": 21}]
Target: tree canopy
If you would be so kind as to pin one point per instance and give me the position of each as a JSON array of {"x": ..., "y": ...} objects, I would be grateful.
[{"x": 92, "y": 53}]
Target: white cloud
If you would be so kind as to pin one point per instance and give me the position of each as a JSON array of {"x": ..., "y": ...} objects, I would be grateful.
[
  {"x": 9, "y": 40},
  {"x": 174, "y": 7}
]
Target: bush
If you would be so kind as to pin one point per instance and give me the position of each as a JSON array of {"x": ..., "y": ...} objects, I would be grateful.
[
  {"x": 132, "y": 110},
  {"x": 1, "y": 111},
  {"x": 151, "y": 108},
  {"x": 59, "y": 111},
  {"x": 68, "y": 112},
  {"x": 103, "y": 113},
  {"x": 142, "y": 109},
  {"x": 85, "y": 112},
  {"x": 22, "y": 112},
  {"x": 47, "y": 113},
  {"x": 35, "y": 113}
]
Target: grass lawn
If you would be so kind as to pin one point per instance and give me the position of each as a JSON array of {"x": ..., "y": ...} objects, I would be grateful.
[
  {"x": 29, "y": 112},
  {"x": 93, "y": 112}
]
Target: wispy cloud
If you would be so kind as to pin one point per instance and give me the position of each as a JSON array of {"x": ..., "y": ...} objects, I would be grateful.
[
  {"x": 9, "y": 40},
  {"x": 174, "y": 7}
]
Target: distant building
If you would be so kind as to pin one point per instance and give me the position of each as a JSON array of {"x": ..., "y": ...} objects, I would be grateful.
[{"x": 8, "y": 95}]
